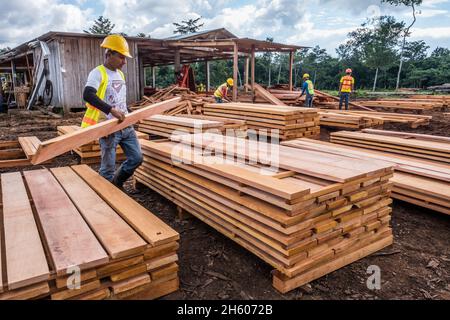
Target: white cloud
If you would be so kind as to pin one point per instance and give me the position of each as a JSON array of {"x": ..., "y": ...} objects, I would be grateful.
[
  {"x": 434, "y": 33},
  {"x": 303, "y": 22},
  {"x": 21, "y": 21},
  {"x": 429, "y": 13},
  {"x": 433, "y": 3}
]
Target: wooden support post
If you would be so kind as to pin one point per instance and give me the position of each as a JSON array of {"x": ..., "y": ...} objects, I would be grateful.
[
  {"x": 154, "y": 77},
  {"x": 235, "y": 72},
  {"x": 253, "y": 73},
  {"x": 14, "y": 78},
  {"x": 291, "y": 63},
  {"x": 247, "y": 61},
  {"x": 30, "y": 74},
  {"x": 177, "y": 61},
  {"x": 141, "y": 78},
  {"x": 208, "y": 75}
]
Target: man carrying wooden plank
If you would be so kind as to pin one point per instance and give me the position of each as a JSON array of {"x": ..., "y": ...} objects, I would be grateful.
[
  {"x": 308, "y": 87},
  {"x": 346, "y": 87},
  {"x": 105, "y": 94},
  {"x": 221, "y": 93}
]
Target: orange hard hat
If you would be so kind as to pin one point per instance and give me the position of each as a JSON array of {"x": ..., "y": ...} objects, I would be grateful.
[{"x": 348, "y": 70}]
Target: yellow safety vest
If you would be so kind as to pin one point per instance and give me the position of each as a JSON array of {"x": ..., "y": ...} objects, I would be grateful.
[
  {"x": 221, "y": 91},
  {"x": 310, "y": 87},
  {"x": 94, "y": 115}
]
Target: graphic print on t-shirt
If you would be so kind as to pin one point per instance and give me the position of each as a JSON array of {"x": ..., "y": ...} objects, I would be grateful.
[{"x": 116, "y": 96}]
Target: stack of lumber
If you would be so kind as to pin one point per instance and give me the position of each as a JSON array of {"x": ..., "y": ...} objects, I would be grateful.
[
  {"x": 357, "y": 119},
  {"x": 413, "y": 120},
  {"x": 401, "y": 104},
  {"x": 305, "y": 213},
  {"x": 18, "y": 153},
  {"x": 379, "y": 104},
  {"x": 165, "y": 126},
  {"x": 281, "y": 97},
  {"x": 416, "y": 146},
  {"x": 347, "y": 119},
  {"x": 420, "y": 182},
  {"x": 76, "y": 236},
  {"x": 444, "y": 99},
  {"x": 90, "y": 153},
  {"x": 265, "y": 119}
]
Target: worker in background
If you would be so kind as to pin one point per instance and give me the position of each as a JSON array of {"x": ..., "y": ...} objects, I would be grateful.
[
  {"x": 221, "y": 93},
  {"x": 308, "y": 88},
  {"x": 201, "y": 88},
  {"x": 105, "y": 93},
  {"x": 346, "y": 87}
]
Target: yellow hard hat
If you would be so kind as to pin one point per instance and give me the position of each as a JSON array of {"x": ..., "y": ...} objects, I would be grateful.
[
  {"x": 117, "y": 43},
  {"x": 230, "y": 82},
  {"x": 306, "y": 75}
]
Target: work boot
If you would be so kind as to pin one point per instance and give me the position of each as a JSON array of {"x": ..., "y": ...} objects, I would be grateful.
[{"x": 119, "y": 178}]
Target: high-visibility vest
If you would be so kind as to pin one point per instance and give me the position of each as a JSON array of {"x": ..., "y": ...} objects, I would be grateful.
[
  {"x": 347, "y": 82},
  {"x": 310, "y": 87},
  {"x": 93, "y": 115},
  {"x": 221, "y": 91}
]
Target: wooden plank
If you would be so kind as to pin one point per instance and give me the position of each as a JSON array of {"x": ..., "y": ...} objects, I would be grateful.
[
  {"x": 14, "y": 163},
  {"x": 267, "y": 95},
  {"x": 61, "y": 282},
  {"x": 70, "y": 241},
  {"x": 395, "y": 141},
  {"x": 128, "y": 273},
  {"x": 32, "y": 292},
  {"x": 26, "y": 263},
  {"x": 185, "y": 122},
  {"x": 101, "y": 294},
  {"x": 158, "y": 289},
  {"x": 59, "y": 145},
  {"x": 151, "y": 228},
  {"x": 115, "y": 266},
  {"x": 29, "y": 145},
  {"x": 285, "y": 285},
  {"x": 116, "y": 236},
  {"x": 70, "y": 293},
  {"x": 408, "y": 135},
  {"x": 267, "y": 183},
  {"x": 162, "y": 250},
  {"x": 130, "y": 284}
]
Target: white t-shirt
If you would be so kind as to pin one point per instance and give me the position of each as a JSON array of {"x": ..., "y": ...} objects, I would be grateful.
[{"x": 116, "y": 90}]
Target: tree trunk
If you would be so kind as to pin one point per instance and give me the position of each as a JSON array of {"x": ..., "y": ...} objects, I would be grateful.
[
  {"x": 270, "y": 74},
  {"x": 403, "y": 46},
  {"x": 279, "y": 72},
  {"x": 375, "y": 81}
]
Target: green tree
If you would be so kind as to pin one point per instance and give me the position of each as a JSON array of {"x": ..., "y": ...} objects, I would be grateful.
[
  {"x": 375, "y": 43},
  {"x": 188, "y": 26},
  {"x": 101, "y": 26},
  {"x": 6, "y": 49},
  {"x": 143, "y": 35},
  {"x": 412, "y": 4}
]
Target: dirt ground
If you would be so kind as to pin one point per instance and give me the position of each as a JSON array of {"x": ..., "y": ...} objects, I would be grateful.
[{"x": 416, "y": 266}]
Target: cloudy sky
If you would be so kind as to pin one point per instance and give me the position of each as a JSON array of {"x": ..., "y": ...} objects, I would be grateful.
[{"x": 303, "y": 22}]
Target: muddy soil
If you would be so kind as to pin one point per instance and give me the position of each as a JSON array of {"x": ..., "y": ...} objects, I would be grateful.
[{"x": 212, "y": 266}]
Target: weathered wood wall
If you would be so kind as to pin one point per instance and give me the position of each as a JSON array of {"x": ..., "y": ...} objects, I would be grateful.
[{"x": 76, "y": 57}]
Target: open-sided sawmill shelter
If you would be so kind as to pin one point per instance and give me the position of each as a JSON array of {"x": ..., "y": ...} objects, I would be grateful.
[{"x": 71, "y": 56}]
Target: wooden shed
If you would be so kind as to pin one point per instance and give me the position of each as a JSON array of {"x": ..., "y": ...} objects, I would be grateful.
[
  {"x": 72, "y": 56},
  {"x": 69, "y": 57}
]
